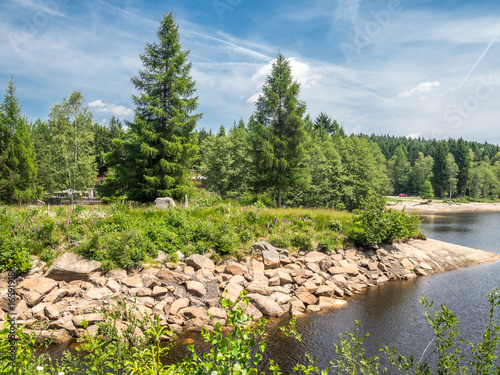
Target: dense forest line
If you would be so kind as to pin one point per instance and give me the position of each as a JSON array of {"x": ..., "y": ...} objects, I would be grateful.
[{"x": 280, "y": 153}]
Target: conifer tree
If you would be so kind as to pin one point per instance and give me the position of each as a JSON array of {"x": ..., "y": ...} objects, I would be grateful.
[
  {"x": 17, "y": 151},
  {"x": 278, "y": 134},
  {"x": 153, "y": 159}
]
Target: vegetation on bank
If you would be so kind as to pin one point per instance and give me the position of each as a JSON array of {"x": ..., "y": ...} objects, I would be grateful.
[
  {"x": 123, "y": 236},
  {"x": 239, "y": 350}
]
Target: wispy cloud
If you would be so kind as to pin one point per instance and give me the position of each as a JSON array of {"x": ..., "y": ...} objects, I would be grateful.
[
  {"x": 421, "y": 88},
  {"x": 347, "y": 10},
  {"x": 112, "y": 109}
]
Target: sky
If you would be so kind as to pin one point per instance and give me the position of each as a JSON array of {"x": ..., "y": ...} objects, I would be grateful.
[{"x": 415, "y": 68}]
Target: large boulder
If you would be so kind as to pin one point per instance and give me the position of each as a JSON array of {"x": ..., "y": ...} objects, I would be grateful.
[
  {"x": 70, "y": 266},
  {"x": 266, "y": 305},
  {"x": 40, "y": 285},
  {"x": 198, "y": 261},
  {"x": 164, "y": 203},
  {"x": 270, "y": 255}
]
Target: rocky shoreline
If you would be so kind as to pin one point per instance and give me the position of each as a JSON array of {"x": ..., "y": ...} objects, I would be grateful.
[{"x": 278, "y": 282}]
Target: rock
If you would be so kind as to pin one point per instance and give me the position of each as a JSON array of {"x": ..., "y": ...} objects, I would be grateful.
[
  {"x": 172, "y": 276},
  {"x": 217, "y": 313},
  {"x": 66, "y": 323},
  {"x": 280, "y": 298},
  {"x": 198, "y": 261},
  {"x": 270, "y": 255},
  {"x": 232, "y": 292},
  {"x": 260, "y": 285},
  {"x": 164, "y": 203},
  {"x": 143, "y": 292},
  {"x": 162, "y": 257},
  {"x": 98, "y": 293},
  {"x": 185, "y": 204},
  {"x": 91, "y": 319},
  {"x": 58, "y": 337},
  {"x": 382, "y": 280},
  {"x": 256, "y": 266},
  {"x": 266, "y": 305},
  {"x": 238, "y": 279},
  {"x": 70, "y": 266},
  {"x": 234, "y": 268},
  {"x": 406, "y": 263},
  {"x": 372, "y": 266},
  {"x": 159, "y": 291},
  {"x": 274, "y": 281},
  {"x": 180, "y": 256},
  {"x": 52, "y": 312},
  {"x": 113, "y": 285},
  {"x": 324, "y": 291},
  {"x": 350, "y": 270},
  {"x": 55, "y": 295},
  {"x": 314, "y": 257},
  {"x": 40, "y": 285},
  {"x": 313, "y": 267},
  {"x": 193, "y": 313},
  {"x": 327, "y": 302},
  {"x": 425, "y": 266},
  {"x": 297, "y": 306},
  {"x": 38, "y": 311},
  {"x": 32, "y": 298},
  {"x": 196, "y": 288},
  {"x": 178, "y": 304},
  {"x": 306, "y": 297},
  {"x": 313, "y": 308},
  {"x": 420, "y": 272},
  {"x": 133, "y": 281}
]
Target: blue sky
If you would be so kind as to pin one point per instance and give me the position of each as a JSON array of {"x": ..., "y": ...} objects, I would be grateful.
[{"x": 408, "y": 67}]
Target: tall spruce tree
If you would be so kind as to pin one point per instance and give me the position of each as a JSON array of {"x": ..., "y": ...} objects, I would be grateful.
[
  {"x": 439, "y": 178},
  {"x": 153, "y": 159},
  {"x": 278, "y": 135},
  {"x": 17, "y": 151}
]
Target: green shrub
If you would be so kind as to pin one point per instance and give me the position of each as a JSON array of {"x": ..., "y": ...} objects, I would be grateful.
[
  {"x": 280, "y": 240},
  {"x": 302, "y": 241},
  {"x": 327, "y": 242}
]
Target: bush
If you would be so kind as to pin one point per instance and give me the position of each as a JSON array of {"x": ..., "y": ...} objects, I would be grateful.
[
  {"x": 302, "y": 241},
  {"x": 280, "y": 240}
]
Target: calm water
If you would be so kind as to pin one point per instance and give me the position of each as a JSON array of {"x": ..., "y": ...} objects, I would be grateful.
[{"x": 392, "y": 313}]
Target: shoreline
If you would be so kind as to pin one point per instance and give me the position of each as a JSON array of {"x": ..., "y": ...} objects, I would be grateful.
[
  {"x": 420, "y": 206},
  {"x": 278, "y": 282}
]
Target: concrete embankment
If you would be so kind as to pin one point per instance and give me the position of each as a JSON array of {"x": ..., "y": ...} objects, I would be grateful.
[{"x": 278, "y": 282}]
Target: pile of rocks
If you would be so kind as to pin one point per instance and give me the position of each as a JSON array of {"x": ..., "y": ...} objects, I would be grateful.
[{"x": 181, "y": 294}]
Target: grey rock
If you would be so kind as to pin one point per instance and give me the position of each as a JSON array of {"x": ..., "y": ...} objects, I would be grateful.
[{"x": 70, "y": 266}]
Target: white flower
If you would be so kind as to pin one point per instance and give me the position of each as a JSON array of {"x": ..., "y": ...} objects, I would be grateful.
[
  {"x": 39, "y": 368},
  {"x": 60, "y": 373}
]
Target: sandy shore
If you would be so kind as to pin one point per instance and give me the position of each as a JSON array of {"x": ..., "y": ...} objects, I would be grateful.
[{"x": 421, "y": 206}]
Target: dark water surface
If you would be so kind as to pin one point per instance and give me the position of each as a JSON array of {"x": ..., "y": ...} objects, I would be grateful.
[{"x": 392, "y": 313}]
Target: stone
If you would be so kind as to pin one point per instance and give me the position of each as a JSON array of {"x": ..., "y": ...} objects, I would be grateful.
[
  {"x": 180, "y": 255},
  {"x": 38, "y": 311},
  {"x": 420, "y": 272},
  {"x": 66, "y": 323},
  {"x": 164, "y": 203},
  {"x": 266, "y": 305},
  {"x": 188, "y": 270},
  {"x": 162, "y": 257},
  {"x": 217, "y": 313},
  {"x": 238, "y": 279},
  {"x": 382, "y": 280},
  {"x": 196, "y": 288},
  {"x": 280, "y": 298},
  {"x": 58, "y": 337},
  {"x": 324, "y": 291},
  {"x": 313, "y": 267},
  {"x": 40, "y": 285},
  {"x": 327, "y": 302},
  {"x": 113, "y": 285},
  {"x": 306, "y": 297},
  {"x": 425, "y": 266},
  {"x": 178, "y": 304},
  {"x": 172, "y": 276},
  {"x": 197, "y": 312},
  {"x": 314, "y": 257},
  {"x": 270, "y": 255},
  {"x": 284, "y": 277},
  {"x": 98, "y": 293},
  {"x": 133, "y": 281},
  {"x": 260, "y": 285},
  {"x": 310, "y": 287},
  {"x": 32, "y": 298},
  {"x": 350, "y": 270},
  {"x": 91, "y": 319},
  {"x": 234, "y": 268},
  {"x": 313, "y": 308},
  {"x": 298, "y": 305},
  {"x": 232, "y": 292},
  {"x": 406, "y": 263},
  {"x": 372, "y": 266},
  {"x": 143, "y": 292},
  {"x": 70, "y": 266},
  {"x": 52, "y": 312},
  {"x": 55, "y": 295},
  {"x": 198, "y": 261},
  {"x": 274, "y": 281},
  {"x": 159, "y": 291}
]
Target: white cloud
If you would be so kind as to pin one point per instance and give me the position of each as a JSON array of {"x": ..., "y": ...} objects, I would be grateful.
[
  {"x": 301, "y": 72},
  {"x": 253, "y": 99},
  {"x": 113, "y": 109},
  {"x": 347, "y": 9},
  {"x": 421, "y": 88}
]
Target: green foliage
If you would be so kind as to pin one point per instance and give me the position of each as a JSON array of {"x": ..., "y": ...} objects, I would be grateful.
[
  {"x": 302, "y": 241},
  {"x": 426, "y": 192},
  {"x": 277, "y": 133},
  {"x": 376, "y": 224},
  {"x": 152, "y": 159}
]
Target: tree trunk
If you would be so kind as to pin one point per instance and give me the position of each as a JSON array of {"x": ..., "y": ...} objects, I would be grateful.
[
  {"x": 442, "y": 191},
  {"x": 279, "y": 197}
]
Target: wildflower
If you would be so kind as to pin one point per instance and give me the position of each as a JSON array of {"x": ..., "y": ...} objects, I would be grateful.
[
  {"x": 74, "y": 243},
  {"x": 60, "y": 373},
  {"x": 39, "y": 368}
]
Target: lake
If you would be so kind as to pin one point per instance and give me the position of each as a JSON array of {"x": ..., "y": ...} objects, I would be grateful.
[{"x": 392, "y": 313}]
